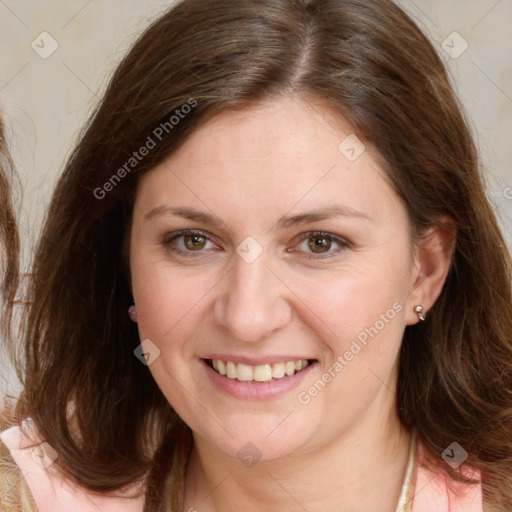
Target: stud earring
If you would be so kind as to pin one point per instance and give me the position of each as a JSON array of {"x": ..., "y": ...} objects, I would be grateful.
[
  {"x": 132, "y": 313},
  {"x": 420, "y": 312}
]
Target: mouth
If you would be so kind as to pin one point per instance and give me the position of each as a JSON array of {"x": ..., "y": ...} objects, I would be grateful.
[{"x": 263, "y": 373}]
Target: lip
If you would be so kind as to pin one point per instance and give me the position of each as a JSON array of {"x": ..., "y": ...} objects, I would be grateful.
[{"x": 256, "y": 390}]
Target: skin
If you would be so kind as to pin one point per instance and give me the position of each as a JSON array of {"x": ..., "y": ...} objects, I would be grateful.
[{"x": 344, "y": 450}]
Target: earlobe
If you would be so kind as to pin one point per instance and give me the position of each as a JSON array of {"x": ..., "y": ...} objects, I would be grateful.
[
  {"x": 132, "y": 313},
  {"x": 132, "y": 310},
  {"x": 434, "y": 259}
]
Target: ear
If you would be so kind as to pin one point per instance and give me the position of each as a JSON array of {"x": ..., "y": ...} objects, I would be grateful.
[
  {"x": 433, "y": 259},
  {"x": 132, "y": 313}
]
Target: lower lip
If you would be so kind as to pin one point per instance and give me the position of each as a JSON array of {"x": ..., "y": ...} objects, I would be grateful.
[{"x": 257, "y": 390}]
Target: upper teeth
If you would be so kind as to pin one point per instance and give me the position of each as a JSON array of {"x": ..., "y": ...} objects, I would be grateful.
[{"x": 261, "y": 373}]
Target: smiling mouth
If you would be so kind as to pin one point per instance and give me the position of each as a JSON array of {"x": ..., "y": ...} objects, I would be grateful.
[{"x": 261, "y": 373}]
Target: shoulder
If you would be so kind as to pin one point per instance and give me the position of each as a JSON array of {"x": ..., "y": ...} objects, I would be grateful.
[
  {"x": 436, "y": 491},
  {"x": 30, "y": 460}
]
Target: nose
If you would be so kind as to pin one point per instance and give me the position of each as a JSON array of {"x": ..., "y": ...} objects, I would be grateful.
[{"x": 252, "y": 304}]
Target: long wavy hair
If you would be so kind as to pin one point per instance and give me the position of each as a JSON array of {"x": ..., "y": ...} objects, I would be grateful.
[
  {"x": 371, "y": 63},
  {"x": 9, "y": 248}
]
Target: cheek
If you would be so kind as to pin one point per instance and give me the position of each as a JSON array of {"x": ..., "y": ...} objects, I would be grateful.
[
  {"x": 359, "y": 319},
  {"x": 167, "y": 297},
  {"x": 170, "y": 306},
  {"x": 345, "y": 304}
]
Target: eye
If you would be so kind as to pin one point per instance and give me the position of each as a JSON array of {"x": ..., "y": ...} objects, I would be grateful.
[
  {"x": 186, "y": 242},
  {"x": 320, "y": 244}
]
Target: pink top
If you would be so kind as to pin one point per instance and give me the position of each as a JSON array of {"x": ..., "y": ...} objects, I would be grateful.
[
  {"x": 54, "y": 494},
  {"x": 431, "y": 492},
  {"x": 50, "y": 491}
]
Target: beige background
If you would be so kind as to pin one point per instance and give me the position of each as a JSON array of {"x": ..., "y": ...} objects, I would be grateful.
[{"x": 47, "y": 100}]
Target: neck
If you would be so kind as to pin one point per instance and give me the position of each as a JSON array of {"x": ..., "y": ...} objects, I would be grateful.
[{"x": 362, "y": 469}]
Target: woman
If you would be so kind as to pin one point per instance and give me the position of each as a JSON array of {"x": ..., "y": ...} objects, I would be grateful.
[{"x": 270, "y": 275}]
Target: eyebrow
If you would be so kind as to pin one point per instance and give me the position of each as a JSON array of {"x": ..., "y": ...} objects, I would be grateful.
[{"x": 284, "y": 222}]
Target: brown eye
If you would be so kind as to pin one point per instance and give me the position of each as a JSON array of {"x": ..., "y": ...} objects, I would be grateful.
[
  {"x": 194, "y": 242},
  {"x": 319, "y": 244},
  {"x": 188, "y": 242}
]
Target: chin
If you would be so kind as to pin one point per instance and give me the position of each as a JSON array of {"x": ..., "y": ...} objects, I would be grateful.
[{"x": 261, "y": 438}]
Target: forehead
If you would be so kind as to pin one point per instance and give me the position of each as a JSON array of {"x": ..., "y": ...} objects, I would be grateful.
[
  {"x": 272, "y": 156},
  {"x": 285, "y": 128}
]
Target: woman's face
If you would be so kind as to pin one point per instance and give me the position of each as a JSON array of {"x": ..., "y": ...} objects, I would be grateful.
[{"x": 295, "y": 249}]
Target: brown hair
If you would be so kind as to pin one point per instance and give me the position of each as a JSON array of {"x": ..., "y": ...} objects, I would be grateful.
[
  {"x": 9, "y": 246},
  {"x": 367, "y": 60}
]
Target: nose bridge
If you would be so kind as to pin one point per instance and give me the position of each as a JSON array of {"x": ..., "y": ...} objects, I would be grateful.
[{"x": 253, "y": 303}]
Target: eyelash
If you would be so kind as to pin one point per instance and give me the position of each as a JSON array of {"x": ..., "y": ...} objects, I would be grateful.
[{"x": 170, "y": 238}]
